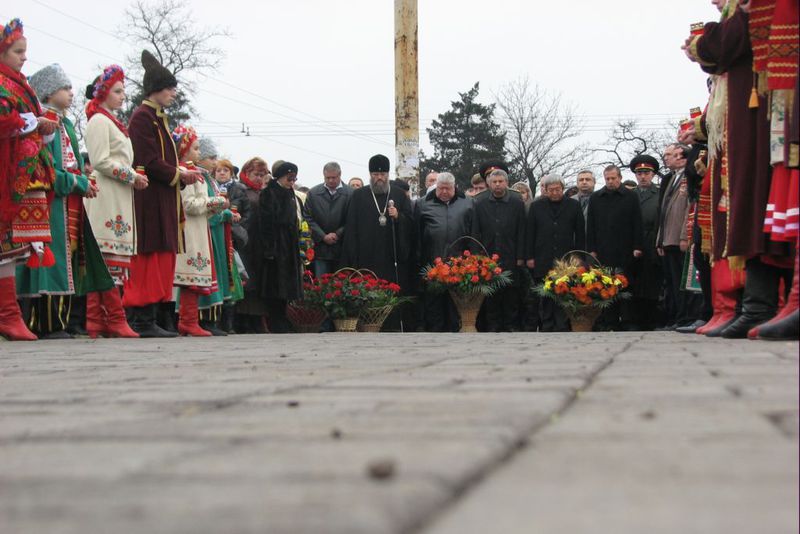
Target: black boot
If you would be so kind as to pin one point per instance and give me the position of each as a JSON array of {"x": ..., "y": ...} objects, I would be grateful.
[
  {"x": 207, "y": 322},
  {"x": 759, "y": 301},
  {"x": 786, "y": 329},
  {"x": 226, "y": 319},
  {"x": 166, "y": 317},
  {"x": 77, "y": 317},
  {"x": 144, "y": 322},
  {"x": 717, "y": 332}
]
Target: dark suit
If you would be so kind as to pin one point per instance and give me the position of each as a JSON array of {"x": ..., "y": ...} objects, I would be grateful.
[
  {"x": 499, "y": 223},
  {"x": 553, "y": 229}
]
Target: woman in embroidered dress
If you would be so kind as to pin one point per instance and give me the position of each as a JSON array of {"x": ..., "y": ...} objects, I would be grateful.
[
  {"x": 111, "y": 212},
  {"x": 79, "y": 267},
  {"x": 26, "y": 178},
  {"x": 216, "y": 308},
  {"x": 194, "y": 268}
]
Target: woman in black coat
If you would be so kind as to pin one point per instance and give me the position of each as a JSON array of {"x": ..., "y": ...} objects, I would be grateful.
[{"x": 276, "y": 247}]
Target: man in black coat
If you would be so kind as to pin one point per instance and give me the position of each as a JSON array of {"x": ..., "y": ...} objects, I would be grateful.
[
  {"x": 442, "y": 217},
  {"x": 325, "y": 211},
  {"x": 499, "y": 224},
  {"x": 379, "y": 231},
  {"x": 555, "y": 227},
  {"x": 614, "y": 233}
]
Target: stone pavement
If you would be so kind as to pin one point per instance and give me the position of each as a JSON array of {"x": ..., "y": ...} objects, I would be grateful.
[{"x": 340, "y": 433}]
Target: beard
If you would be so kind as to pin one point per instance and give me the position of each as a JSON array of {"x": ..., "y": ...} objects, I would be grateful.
[{"x": 379, "y": 188}]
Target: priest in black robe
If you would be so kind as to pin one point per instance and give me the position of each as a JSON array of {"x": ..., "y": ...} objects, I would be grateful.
[{"x": 379, "y": 232}]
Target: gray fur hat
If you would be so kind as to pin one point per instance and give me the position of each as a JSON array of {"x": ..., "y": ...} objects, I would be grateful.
[
  {"x": 208, "y": 150},
  {"x": 49, "y": 80}
]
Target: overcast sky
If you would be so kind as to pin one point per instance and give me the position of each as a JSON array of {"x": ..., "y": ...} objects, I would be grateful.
[{"x": 314, "y": 79}]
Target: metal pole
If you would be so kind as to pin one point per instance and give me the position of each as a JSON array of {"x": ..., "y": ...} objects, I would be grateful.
[{"x": 406, "y": 92}]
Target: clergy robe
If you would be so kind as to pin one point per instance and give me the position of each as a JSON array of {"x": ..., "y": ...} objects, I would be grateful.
[{"x": 368, "y": 245}]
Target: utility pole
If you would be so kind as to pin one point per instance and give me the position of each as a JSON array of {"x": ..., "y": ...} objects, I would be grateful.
[{"x": 406, "y": 98}]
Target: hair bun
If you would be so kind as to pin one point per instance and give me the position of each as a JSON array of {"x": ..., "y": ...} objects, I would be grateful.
[{"x": 90, "y": 88}]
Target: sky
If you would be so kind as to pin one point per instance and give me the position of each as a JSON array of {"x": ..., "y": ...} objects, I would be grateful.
[{"x": 313, "y": 80}]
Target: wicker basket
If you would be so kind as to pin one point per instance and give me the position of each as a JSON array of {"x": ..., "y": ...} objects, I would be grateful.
[
  {"x": 305, "y": 319},
  {"x": 347, "y": 324},
  {"x": 582, "y": 320},
  {"x": 468, "y": 306},
  {"x": 371, "y": 319}
]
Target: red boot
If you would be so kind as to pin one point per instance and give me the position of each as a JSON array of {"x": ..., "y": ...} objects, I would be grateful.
[
  {"x": 95, "y": 315},
  {"x": 188, "y": 316},
  {"x": 724, "y": 286},
  {"x": 11, "y": 324},
  {"x": 116, "y": 322}
]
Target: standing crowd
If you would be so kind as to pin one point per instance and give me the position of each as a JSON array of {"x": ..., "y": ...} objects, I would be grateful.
[{"x": 148, "y": 224}]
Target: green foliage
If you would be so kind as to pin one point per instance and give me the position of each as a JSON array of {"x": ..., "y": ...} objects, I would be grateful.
[{"x": 464, "y": 137}]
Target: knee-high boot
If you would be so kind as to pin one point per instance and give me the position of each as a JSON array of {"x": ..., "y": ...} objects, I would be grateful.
[
  {"x": 725, "y": 287},
  {"x": 116, "y": 322},
  {"x": 11, "y": 324},
  {"x": 759, "y": 301},
  {"x": 95, "y": 315},
  {"x": 788, "y": 309},
  {"x": 188, "y": 315}
]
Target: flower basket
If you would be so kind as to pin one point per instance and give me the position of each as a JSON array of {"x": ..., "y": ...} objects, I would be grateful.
[
  {"x": 468, "y": 306},
  {"x": 582, "y": 319},
  {"x": 348, "y": 293},
  {"x": 371, "y": 319},
  {"x": 581, "y": 289},
  {"x": 306, "y": 319},
  {"x": 346, "y": 324}
]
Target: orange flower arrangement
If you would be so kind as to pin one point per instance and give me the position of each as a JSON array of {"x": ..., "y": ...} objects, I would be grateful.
[
  {"x": 467, "y": 273},
  {"x": 574, "y": 286}
]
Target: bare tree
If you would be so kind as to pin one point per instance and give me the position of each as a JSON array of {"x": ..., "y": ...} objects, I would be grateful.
[
  {"x": 627, "y": 140},
  {"x": 77, "y": 115},
  {"x": 541, "y": 132},
  {"x": 168, "y": 29}
]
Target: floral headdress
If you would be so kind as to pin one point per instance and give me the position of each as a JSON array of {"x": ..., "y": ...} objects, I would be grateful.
[
  {"x": 111, "y": 75},
  {"x": 11, "y": 32},
  {"x": 184, "y": 137}
]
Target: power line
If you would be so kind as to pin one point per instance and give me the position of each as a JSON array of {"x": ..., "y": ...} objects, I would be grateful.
[{"x": 251, "y": 93}]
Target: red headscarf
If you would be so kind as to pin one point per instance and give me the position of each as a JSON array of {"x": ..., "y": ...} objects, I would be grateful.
[{"x": 111, "y": 75}]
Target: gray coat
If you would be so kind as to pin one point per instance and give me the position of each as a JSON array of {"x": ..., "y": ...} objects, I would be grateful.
[
  {"x": 326, "y": 213},
  {"x": 674, "y": 211},
  {"x": 440, "y": 224}
]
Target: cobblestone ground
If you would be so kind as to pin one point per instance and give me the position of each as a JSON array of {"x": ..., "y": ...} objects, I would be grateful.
[{"x": 381, "y": 433}]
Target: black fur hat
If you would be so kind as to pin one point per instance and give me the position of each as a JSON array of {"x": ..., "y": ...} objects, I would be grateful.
[{"x": 156, "y": 76}]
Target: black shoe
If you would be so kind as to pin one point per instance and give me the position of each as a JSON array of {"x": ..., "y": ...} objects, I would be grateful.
[
  {"x": 58, "y": 334},
  {"x": 226, "y": 320},
  {"x": 153, "y": 330},
  {"x": 786, "y": 329},
  {"x": 144, "y": 323},
  {"x": 717, "y": 332},
  {"x": 668, "y": 328},
  {"x": 741, "y": 326},
  {"x": 166, "y": 317},
  {"x": 77, "y": 330},
  {"x": 258, "y": 325},
  {"x": 211, "y": 327},
  {"x": 690, "y": 328}
]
